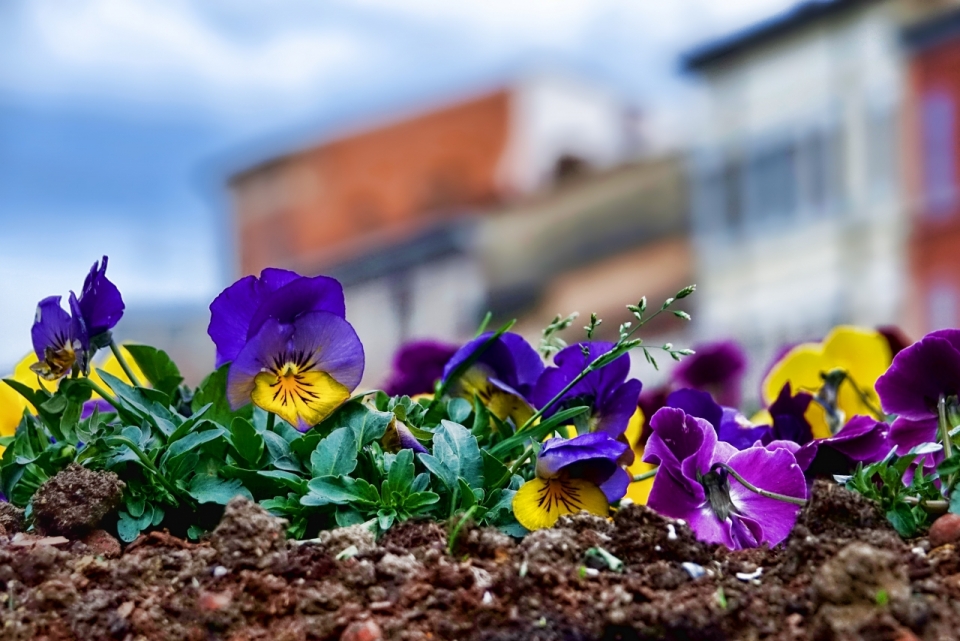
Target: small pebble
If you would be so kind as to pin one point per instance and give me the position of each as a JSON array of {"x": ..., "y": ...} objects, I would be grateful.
[
  {"x": 750, "y": 576},
  {"x": 362, "y": 631},
  {"x": 693, "y": 569},
  {"x": 220, "y": 571},
  {"x": 945, "y": 529},
  {"x": 671, "y": 532},
  {"x": 487, "y": 598},
  {"x": 919, "y": 551}
]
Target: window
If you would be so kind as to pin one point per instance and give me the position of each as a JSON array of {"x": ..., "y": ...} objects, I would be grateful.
[
  {"x": 882, "y": 152},
  {"x": 772, "y": 184},
  {"x": 937, "y": 112}
]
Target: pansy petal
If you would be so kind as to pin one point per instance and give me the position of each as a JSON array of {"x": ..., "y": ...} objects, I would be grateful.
[
  {"x": 100, "y": 302},
  {"x": 907, "y": 434},
  {"x": 539, "y": 503},
  {"x": 312, "y": 365},
  {"x": 918, "y": 376},
  {"x": 417, "y": 366},
  {"x": 299, "y": 297},
  {"x": 714, "y": 367},
  {"x": 230, "y": 314},
  {"x": 774, "y": 471},
  {"x": 697, "y": 403},
  {"x": 509, "y": 358},
  {"x": 52, "y": 326},
  {"x": 615, "y": 487},
  {"x": 615, "y": 411},
  {"x": 558, "y": 453}
]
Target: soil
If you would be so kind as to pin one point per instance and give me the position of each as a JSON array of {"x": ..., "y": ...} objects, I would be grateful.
[{"x": 842, "y": 574}]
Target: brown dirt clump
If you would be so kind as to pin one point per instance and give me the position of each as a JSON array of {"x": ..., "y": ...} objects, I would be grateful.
[
  {"x": 74, "y": 501},
  {"x": 840, "y": 575},
  {"x": 11, "y": 518}
]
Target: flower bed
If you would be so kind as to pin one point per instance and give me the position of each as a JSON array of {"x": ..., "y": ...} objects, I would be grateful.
[{"x": 494, "y": 492}]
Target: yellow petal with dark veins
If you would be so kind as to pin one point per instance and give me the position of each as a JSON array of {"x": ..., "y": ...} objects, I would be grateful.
[
  {"x": 540, "y": 502},
  {"x": 302, "y": 399}
]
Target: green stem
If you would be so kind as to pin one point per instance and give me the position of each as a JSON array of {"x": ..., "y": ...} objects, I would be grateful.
[
  {"x": 753, "y": 488},
  {"x": 645, "y": 475},
  {"x": 877, "y": 413},
  {"x": 931, "y": 507},
  {"x": 147, "y": 463},
  {"x": 945, "y": 431},
  {"x": 271, "y": 421},
  {"x": 452, "y": 542},
  {"x": 123, "y": 364},
  {"x": 104, "y": 394}
]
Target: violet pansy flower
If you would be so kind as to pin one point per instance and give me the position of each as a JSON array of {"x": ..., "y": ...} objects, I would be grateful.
[
  {"x": 292, "y": 352},
  {"x": 241, "y": 310},
  {"x": 301, "y": 371},
  {"x": 417, "y": 366},
  {"x": 611, "y": 397},
  {"x": 717, "y": 368},
  {"x": 572, "y": 475},
  {"x": 912, "y": 387},
  {"x": 502, "y": 376},
  {"x": 63, "y": 340},
  {"x": 691, "y": 483}
]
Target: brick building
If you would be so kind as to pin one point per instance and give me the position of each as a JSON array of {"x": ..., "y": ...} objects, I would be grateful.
[{"x": 934, "y": 158}]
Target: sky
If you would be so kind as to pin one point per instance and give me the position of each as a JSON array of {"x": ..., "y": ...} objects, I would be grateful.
[{"x": 121, "y": 119}]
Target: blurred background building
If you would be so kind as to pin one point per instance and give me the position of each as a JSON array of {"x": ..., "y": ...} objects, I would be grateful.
[
  {"x": 797, "y": 160},
  {"x": 799, "y": 216}
]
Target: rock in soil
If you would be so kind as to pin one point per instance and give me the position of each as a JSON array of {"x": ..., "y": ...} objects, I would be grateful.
[
  {"x": 11, "y": 518},
  {"x": 75, "y": 500},
  {"x": 248, "y": 535},
  {"x": 946, "y": 529},
  {"x": 840, "y": 575}
]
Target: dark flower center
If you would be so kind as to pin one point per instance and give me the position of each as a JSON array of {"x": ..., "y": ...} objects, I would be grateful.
[{"x": 716, "y": 484}]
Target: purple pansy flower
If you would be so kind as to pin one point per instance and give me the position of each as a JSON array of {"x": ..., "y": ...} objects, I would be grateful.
[
  {"x": 912, "y": 387},
  {"x": 502, "y": 377},
  {"x": 731, "y": 426},
  {"x": 399, "y": 437},
  {"x": 62, "y": 340},
  {"x": 417, "y": 366},
  {"x": 717, "y": 368},
  {"x": 301, "y": 370},
  {"x": 611, "y": 397},
  {"x": 241, "y": 310},
  {"x": 572, "y": 475},
  {"x": 691, "y": 485}
]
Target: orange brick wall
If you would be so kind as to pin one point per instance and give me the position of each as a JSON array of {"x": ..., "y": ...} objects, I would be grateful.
[
  {"x": 307, "y": 209},
  {"x": 934, "y": 260}
]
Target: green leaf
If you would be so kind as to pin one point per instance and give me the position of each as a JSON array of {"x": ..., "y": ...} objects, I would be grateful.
[
  {"x": 127, "y": 528},
  {"x": 190, "y": 442},
  {"x": 400, "y": 476},
  {"x": 467, "y": 498},
  {"x": 419, "y": 500},
  {"x": 340, "y": 490},
  {"x": 278, "y": 452},
  {"x": 955, "y": 501},
  {"x": 213, "y": 489},
  {"x": 493, "y": 470},
  {"x": 902, "y": 520},
  {"x": 458, "y": 409},
  {"x": 248, "y": 443},
  {"x": 385, "y": 518},
  {"x": 456, "y": 448},
  {"x": 157, "y": 367},
  {"x": 213, "y": 391},
  {"x": 538, "y": 432},
  {"x": 368, "y": 424},
  {"x": 347, "y": 516},
  {"x": 335, "y": 455}
]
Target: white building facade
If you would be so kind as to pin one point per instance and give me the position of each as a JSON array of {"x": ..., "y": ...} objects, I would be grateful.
[{"x": 797, "y": 213}]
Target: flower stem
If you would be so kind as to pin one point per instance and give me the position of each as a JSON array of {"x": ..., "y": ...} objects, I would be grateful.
[
  {"x": 452, "y": 541},
  {"x": 271, "y": 421},
  {"x": 945, "y": 431},
  {"x": 646, "y": 475},
  {"x": 753, "y": 488},
  {"x": 123, "y": 364},
  {"x": 931, "y": 507},
  {"x": 104, "y": 394}
]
